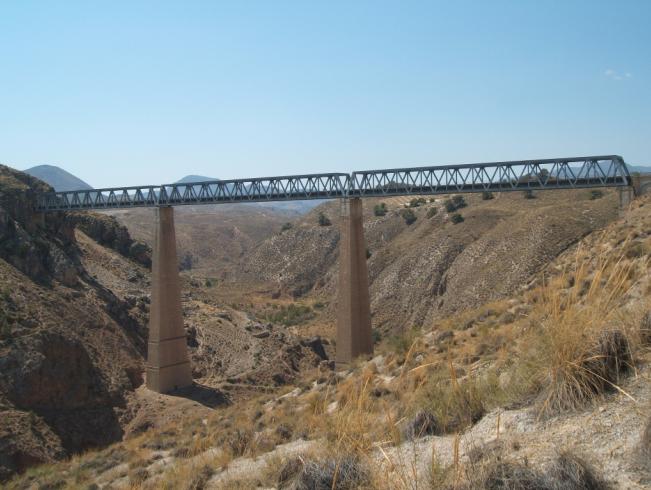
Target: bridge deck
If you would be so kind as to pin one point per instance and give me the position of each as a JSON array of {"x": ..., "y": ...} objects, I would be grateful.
[{"x": 560, "y": 173}]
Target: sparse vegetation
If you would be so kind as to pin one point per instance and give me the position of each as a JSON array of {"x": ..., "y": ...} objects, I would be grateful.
[
  {"x": 323, "y": 220},
  {"x": 409, "y": 216},
  {"x": 292, "y": 314},
  {"x": 487, "y": 196},
  {"x": 416, "y": 202},
  {"x": 431, "y": 212},
  {"x": 456, "y": 218},
  {"x": 286, "y": 226},
  {"x": 528, "y": 194},
  {"x": 380, "y": 209}
]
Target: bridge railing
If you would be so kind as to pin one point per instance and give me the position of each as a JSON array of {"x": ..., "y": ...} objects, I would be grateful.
[{"x": 564, "y": 173}]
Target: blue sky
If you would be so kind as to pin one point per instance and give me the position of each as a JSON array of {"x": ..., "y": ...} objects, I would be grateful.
[{"x": 126, "y": 93}]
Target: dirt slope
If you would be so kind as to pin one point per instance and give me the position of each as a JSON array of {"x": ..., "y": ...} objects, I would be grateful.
[{"x": 434, "y": 267}]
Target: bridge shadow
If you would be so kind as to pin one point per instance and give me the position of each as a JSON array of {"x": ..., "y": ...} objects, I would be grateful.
[{"x": 205, "y": 395}]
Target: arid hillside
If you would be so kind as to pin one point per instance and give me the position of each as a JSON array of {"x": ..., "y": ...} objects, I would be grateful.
[
  {"x": 545, "y": 389},
  {"x": 212, "y": 239},
  {"x": 433, "y": 266},
  {"x": 74, "y": 301}
]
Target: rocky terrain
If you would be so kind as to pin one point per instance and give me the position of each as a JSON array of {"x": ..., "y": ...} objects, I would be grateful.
[
  {"x": 548, "y": 388},
  {"x": 74, "y": 296},
  {"x": 433, "y": 267}
]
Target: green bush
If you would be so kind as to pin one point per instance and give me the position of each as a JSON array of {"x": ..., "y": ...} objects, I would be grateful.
[
  {"x": 286, "y": 226},
  {"x": 459, "y": 202},
  {"x": 596, "y": 194},
  {"x": 449, "y": 206},
  {"x": 380, "y": 209},
  {"x": 292, "y": 314},
  {"x": 409, "y": 216},
  {"x": 431, "y": 212},
  {"x": 324, "y": 220},
  {"x": 487, "y": 196},
  {"x": 456, "y": 218},
  {"x": 209, "y": 283},
  {"x": 415, "y": 202}
]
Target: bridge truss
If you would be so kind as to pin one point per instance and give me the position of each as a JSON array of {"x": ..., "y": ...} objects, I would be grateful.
[{"x": 560, "y": 173}]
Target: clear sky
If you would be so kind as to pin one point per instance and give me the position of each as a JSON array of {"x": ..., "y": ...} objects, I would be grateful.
[{"x": 123, "y": 93}]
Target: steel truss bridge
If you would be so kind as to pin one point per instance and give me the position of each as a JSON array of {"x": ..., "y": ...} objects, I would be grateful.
[{"x": 557, "y": 173}]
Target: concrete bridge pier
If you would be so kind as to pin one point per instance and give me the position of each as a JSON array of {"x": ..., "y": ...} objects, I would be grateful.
[
  {"x": 354, "y": 336},
  {"x": 168, "y": 364}
]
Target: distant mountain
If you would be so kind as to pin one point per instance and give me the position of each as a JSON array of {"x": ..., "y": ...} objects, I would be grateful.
[
  {"x": 639, "y": 168},
  {"x": 58, "y": 178},
  {"x": 195, "y": 178}
]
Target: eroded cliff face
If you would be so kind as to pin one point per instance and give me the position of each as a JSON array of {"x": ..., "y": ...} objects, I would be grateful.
[{"x": 71, "y": 350}]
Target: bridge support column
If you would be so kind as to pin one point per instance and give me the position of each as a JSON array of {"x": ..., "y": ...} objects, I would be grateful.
[
  {"x": 168, "y": 364},
  {"x": 626, "y": 195},
  {"x": 354, "y": 337}
]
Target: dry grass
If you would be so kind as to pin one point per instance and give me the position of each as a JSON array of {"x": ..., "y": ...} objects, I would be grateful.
[
  {"x": 496, "y": 470},
  {"x": 586, "y": 342}
]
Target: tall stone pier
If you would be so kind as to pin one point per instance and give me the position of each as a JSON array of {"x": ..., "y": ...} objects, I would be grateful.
[
  {"x": 354, "y": 337},
  {"x": 168, "y": 364}
]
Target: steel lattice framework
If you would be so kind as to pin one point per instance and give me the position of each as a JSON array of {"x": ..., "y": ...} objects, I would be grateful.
[{"x": 559, "y": 173}]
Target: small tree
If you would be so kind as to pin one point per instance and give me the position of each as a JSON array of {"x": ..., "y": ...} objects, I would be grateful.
[
  {"x": 209, "y": 283},
  {"x": 286, "y": 226},
  {"x": 431, "y": 212},
  {"x": 324, "y": 220},
  {"x": 409, "y": 216},
  {"x": 449, "y": 206},
  {"x": 456, "y": 218},
  {"x": 528, "y": 194},
  {"x": 487, "y": 196},
  {"x": 380, "y": 209}
]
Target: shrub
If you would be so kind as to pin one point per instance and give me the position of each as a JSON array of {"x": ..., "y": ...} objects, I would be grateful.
[
  {"x": 368, "y": 253},
  {"x": 324, "y": 220},
  {"x": 380, "y": 209},
  {"x": 431, "y": 212},
  {"x": 495, "y": 471},
  {"x": 449, "y": 206},
  {"x": 596, "y": 194},
  {"x": 528, "y": 194},
  {"x": 580, "y": 354},
  {"x": 459, "y": 202},
  {"x": 456, "y": 218},
  {"x": 286, "y": 226},
  {"x": 487, "y": 196},
  {"x": 417, "y": 201},
  {"x": 342, "y": 472},
  {"x": 209, "y": 283},
  {"x": 423, "y": 424},
  {"x": 409, "y": 216}
]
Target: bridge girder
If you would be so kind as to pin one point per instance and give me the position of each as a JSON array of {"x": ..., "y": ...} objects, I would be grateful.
[{"x": 549, "y": 174}]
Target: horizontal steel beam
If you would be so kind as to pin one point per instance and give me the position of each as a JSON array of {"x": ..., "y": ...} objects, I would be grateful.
[{"x": 549, "y": 174}]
